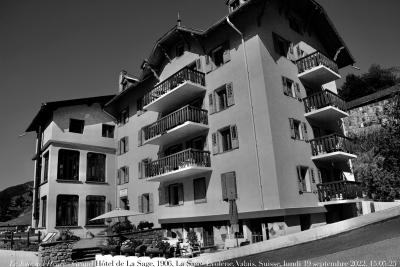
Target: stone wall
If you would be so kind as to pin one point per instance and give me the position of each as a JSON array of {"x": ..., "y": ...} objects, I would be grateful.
[
  {"x": 366, "y": 119},
  {"x": 53, "y": 253}
]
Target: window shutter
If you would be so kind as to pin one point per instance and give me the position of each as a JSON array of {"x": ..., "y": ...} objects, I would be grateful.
[
  {"x": 234, "y": 137},
  {"x": 312, "y": 175},
  {"x": 140, "y": 170},
  {"x": 140, "y": 206},
  {"x": 299, "y": 180},
  {"x": 304, "y": 130},
  {"x": 140, "y": 138},
  {"x": 231, "y": 185},
  {"x": 223, "y": 187},
  {"x": 126, "y": 180},
  {"x": 297, "y": 91},
  {"x": 215, "y": 147},
  {"x": 211, "y": 103},
  {"x": 284, "y": 85},
  {"x": 126, "y": 148},
  {"x": 119, "y": 147},
  {"x": 319, "y": 176},
  {"x": 208, "y": 66},
  {"x": 161, "y": 197},
  {"x": 227, "y": 53},
  {"x": 198, "y": 65},
  {"x": 229, "y": 93},
  {"x": 292, "y": 132},
  {"x": 180, "y": 194},
  {"x": 118, "y": 176},
  {"x": 151, "y": 202}
]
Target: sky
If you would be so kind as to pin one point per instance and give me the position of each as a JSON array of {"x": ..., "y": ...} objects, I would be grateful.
[{"x": 63, "y": 49}]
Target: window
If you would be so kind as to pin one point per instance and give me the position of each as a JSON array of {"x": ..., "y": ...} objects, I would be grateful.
[
  {"x": 44, "y": 210},
  {"x": 221, "y": 98},
  {"x": 142, "y": 168},
  {"x": 228, "y": 184},
  {"x": 294, "y": 24},
  {"x": 290, "y": 88},
  {"x": 180, "y": 49},
  {"x": 218, "y": 57},
  {"x": 107, "y": 131},
  {"x": 76, "y": 126},
  {"x": 145, "y": 203},
  {"x": 67, "y": 210},
  {"x": 95, "y": 206},
  {"x": 123, "y": 145},
  {"x": 96, "y": 167},
  {"x": 175, "y": 193},
  {"x": 123, "y": 175},
  {"x": 139, "y": 106},
  {"x": 298, "y": 130},
  {"x": 200, "y": 190},
  {"x": 225, "y": 139},
  {"x": 124, "y": 203},
  {"x": 305, "y": 175},
  {"x": 281, "y": 45},
  {"x": 124, "y": 116},
  {"x": 68, "y": 165},
  {"x": 46, "y": 167}
]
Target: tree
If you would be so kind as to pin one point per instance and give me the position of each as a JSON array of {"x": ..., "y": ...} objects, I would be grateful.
[
  {"x": 378, "y": 164},
  {"x": 376, "y": 79}
]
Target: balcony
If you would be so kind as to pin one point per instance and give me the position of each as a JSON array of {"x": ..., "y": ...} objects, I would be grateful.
[
  {"x": 317, "y": 69},
  {"x": 339, "y": 190},
  {"x": 184, "y": 122},
  {"x": 334, "y": 147},
  {"x": 325, "y": 106},
  {"x": 179, "y": 165},
  {"x": 179, "y": 88}
]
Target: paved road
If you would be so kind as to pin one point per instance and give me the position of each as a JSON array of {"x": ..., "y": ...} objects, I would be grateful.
[{"x": 373, "y": 245}]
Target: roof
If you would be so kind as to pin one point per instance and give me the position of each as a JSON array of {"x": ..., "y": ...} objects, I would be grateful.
[
  {"x": 372, "y": 98},
  {"x": 46, "y": 110},
  {"x": 328, "y": 34}
]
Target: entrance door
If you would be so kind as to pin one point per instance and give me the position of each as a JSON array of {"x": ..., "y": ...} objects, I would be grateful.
[{"x": 208, "y": 236}]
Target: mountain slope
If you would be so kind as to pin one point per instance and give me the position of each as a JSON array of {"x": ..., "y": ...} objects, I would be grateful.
[{"x": 15, "y": 200}]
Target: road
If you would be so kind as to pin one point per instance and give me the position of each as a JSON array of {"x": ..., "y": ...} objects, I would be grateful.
[{"x": 373, "y": 245}]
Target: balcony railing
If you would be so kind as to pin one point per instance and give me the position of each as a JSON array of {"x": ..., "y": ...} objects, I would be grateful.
[
  {"x": 176, "y": 118},
  {"x": 183, "y": 75},
  {"x": 331, "y": 143},
  {"x": 323, "y": 99},
  {"x": 339, "y": 190},
  {"x": 314, "y": 60},
  {"x": 183, "y": 159}
]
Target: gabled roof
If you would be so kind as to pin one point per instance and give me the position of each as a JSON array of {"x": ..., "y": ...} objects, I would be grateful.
[
  {"x": 46, "y": 110},
  {"x": 372, "y": 98},
  {"x": 309, "y": 8}
]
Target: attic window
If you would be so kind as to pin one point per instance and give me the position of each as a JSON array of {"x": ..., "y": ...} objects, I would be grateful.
[
  {"x": 76, "y": 126},
  {"x": 294, "y": 24},
  {"x": 180, "y": 49}
]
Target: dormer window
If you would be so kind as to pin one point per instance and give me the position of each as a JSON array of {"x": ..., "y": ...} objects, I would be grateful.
[
  {"x": 180, "y": 49},
  {"x": 76, "y": 126}
]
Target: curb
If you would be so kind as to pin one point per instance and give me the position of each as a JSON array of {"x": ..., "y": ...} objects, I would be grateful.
[{"x": 301, "y": 237}]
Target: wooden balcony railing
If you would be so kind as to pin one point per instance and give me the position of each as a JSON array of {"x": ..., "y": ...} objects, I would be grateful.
[
  {"x": 182, "y": 159},
  {"x": 323, "y": 99},
  {"x": 331, "y": 143},
  {"x": 339, "y": 190},
  {"x": 183, "y": 75},
  {"x": 314, "y": 60},
  {"x": 178, "y": 117}
]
